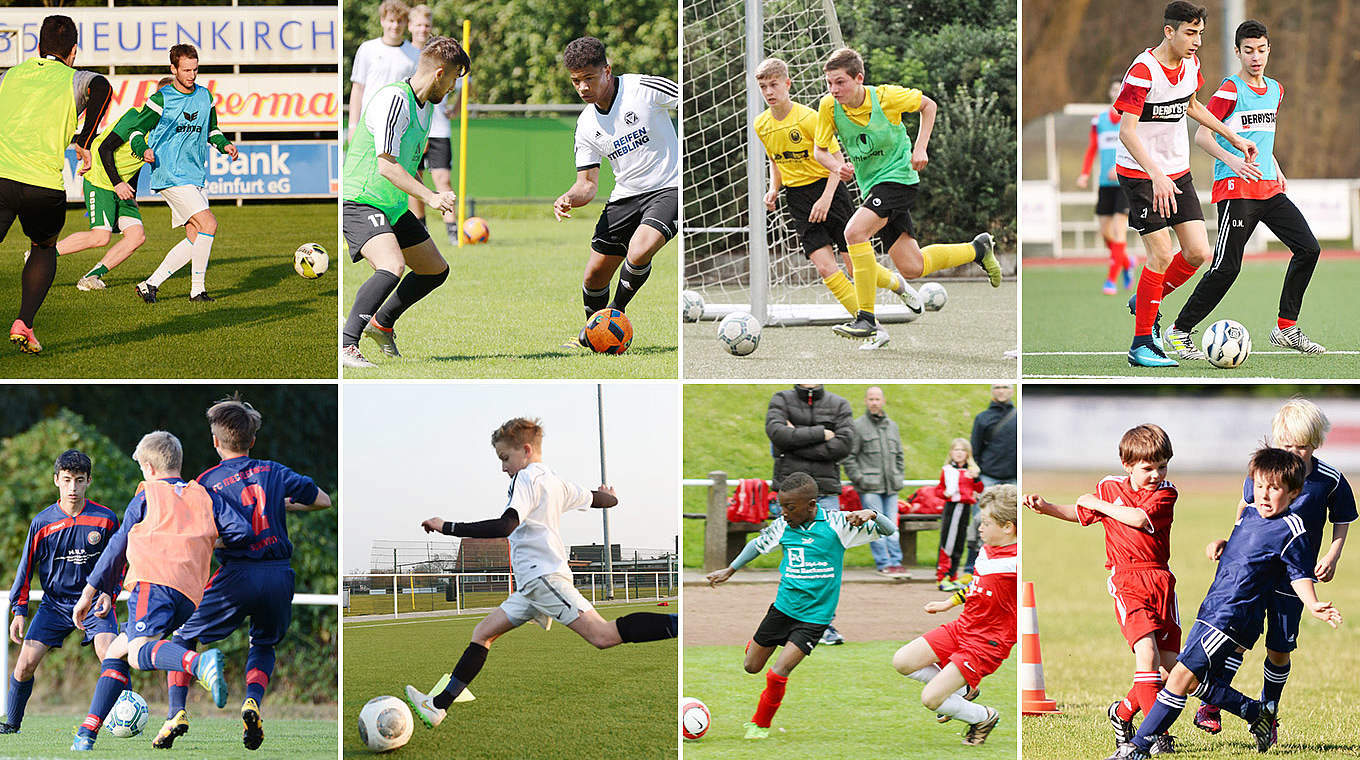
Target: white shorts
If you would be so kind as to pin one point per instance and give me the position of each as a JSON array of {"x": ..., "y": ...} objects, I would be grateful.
[
  {"x": 184, "y": 202},
  {"x": 545, "y": 599}
]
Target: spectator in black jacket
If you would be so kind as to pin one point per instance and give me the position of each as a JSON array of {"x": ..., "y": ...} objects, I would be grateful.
[{"x": 994, "y": 442}]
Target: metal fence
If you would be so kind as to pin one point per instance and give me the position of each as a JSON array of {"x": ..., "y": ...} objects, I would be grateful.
[{"x": 454, "y": 593}]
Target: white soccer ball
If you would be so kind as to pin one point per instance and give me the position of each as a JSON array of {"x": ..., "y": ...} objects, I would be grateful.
[
  {"x": 739, "y": 333},
  {"x": 1227, "y": 344},
  {"x": 311, "y": 260},
  {"x": 694, "y": 718},
  {"x": 128, "y": 715},
  {"x": 385, "y": 723},
  {"x": 692, "y": 306},
  {"x": 933, "y": 296}
]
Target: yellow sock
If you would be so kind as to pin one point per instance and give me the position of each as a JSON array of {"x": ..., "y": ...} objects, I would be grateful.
[
  {"x": 945, "y": 255},
  {"x": 885, "y": 277},
  {"x": 866, "y": 283},
  {"x": 840, "y": 287}
]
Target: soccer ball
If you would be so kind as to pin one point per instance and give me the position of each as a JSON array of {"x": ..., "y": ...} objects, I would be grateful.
[
  {"x": 608, "y": 331},
  {"x": 739, "y": 333},
  {"x": 475, "y": 230},
  {"x": 385, "y": 723},
  {"x": 933, "y": 296},
  {"x": 311, "y": 261},
  {"x": 1227, "y": 344},
  {"x": 694, "y": 718},
  {"x": 128, "y": 716},
  {"x": 692, "y": 306}
]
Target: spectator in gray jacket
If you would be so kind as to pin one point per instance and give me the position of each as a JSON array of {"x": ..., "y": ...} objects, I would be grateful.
[{"x": 875, "y": 466}]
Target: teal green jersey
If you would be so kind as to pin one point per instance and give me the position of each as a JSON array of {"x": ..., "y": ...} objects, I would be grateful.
[
  {"x": 810, "y": 582},
  {"x": 879, "y": 150},
  {"x": 395, "y": 123}
]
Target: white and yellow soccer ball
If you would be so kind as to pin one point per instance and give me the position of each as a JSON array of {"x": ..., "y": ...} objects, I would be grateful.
[
  {"x": 933, "y": 296},
  {"x": 128, "y": 715},
  {"x": 739, "y": 333},
  {"x": 694, "y": 718},
  {"x": 1227, "y": 344},
  {"x": 311, "y": 260},
  {"x": 385, "y": 723},
  {"x": 691, "y": 306}
]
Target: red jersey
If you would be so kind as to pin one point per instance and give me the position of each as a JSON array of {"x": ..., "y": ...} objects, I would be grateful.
[
  {"x": 1134, "y": 548},
  {"x": 989, "y": 602}
]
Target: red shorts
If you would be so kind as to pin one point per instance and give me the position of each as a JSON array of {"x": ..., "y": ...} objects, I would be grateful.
[
  {"x": 1145, "y": 602},
  {"x": 975, "y": 657}
]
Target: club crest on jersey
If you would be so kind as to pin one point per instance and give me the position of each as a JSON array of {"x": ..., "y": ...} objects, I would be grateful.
[
  {"x": 795, "y": 135},
  {"x": 630, "y": 118},
  {"x": 92, "y": 537}
]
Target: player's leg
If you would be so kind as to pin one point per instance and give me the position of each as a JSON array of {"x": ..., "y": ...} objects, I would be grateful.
[
  {"x": 1208, "y": 717},
  {"x": 188, "y": 206},
  {"x": 271, "y": 590},
  {"x": 134, "y": 235},
  {"x": 114, "y": 677},
  {"x": 1112, "y": 228},
  {"x": 431, "y": 708},
  {"x": 101, "y": 207},
  {"x": 600, "y": 269},
  {"x": 1142, "y": 695},
  {"x": 634, "y": 628},
  {"x": 1146, "y": 349},
  {"x": 202, "y": 233},
  {"x": 859, "y": 233},
  {"x": 429, "y": 270},
  {"x": 657, "y": 221},
  {"x": 1284, "y": 219},
  {"x": 824, "y": 261},
  {"x": 947, "y": 694},
  {"x": 41, "y": 213},
  {"x": 1236, "y": 222},
  {"x": 81, "y": 241},
  {"x": 776, "y": 683},
  {"x": 21, "y": 684},
  {"x": 1283, "y": 613}
]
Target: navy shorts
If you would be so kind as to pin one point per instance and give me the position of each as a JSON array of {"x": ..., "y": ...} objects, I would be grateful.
[
  {"x": 1282, "y": 615},
  {"x": 155, "y": 610},
  {"x": 1205, "y": 650},
  {"x": 262, "y": 590},
  {"x": 52, "y": 624}
]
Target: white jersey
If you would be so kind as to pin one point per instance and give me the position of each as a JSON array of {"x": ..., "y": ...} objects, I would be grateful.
[
  {"x": 377, "y": 64},
  {"x": 1161, "y": 107},
  {"x": 389, "y": 117},
  {"x": 540, "y": 498},
  {"x": 636, "y": 135}
]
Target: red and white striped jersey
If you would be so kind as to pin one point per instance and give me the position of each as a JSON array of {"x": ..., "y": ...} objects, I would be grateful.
[
  {"x": 989, "y": 602},
  {"x": 1160, "y": 98}
]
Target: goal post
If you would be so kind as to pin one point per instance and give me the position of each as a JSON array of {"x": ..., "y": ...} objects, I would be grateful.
[{"x": 738, "y": 256}]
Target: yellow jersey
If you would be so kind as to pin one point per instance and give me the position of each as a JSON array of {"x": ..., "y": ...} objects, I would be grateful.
[{"x": 788, "y": 143}]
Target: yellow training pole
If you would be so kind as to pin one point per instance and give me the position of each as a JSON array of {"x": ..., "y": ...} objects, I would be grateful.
[{"x": 462, "y": 138}]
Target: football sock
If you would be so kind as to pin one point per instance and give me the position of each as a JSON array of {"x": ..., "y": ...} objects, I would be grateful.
[
  {"x": 840, "y": 287},
  {"x": 198, "y": 273},
  {"x": 99, "y": 271},
  {"x": 1285, "y": 324},
  {"x": 1119, "y": 253},
  {"x": 1214, "y": 692},
  {"x": 178, "y": 684},
  {"x": 1164, "y": 713},
  {"x": 958, "y": 707},
  {"x": 647, "y": 626},
  {"x": 925, "y": 674},
  {"x": 883, "y": 278},
  {"x": 19, "y": 692},
  {"x": 413, "y": 287},
  {"x": 1176, "y": 274},
  {"x": 1146, "y": 684},
  {"x": 1149, "y": 300},
  {"x": 36, "y": 280},
  {"x": 1276, "y": 675},
  {"x": 770, "y": 698},
  {"x": 1116, "y": 266},
  {"x": 112, "y": 681},
  {"x": 862, "y": 260},
  {"x": 367, "y": 299},
  {"x": 167, "y": 655},
  {"x": 259, "y": 667},
  {"x": 174, "y": 259},
  {"x": 594, "y": 299},
  {"x": 1229, "y": 669},
  {"x": 630, "y": 282},
  {"x": 945, "y": 255},
  {"x": 469, "y": 665}
]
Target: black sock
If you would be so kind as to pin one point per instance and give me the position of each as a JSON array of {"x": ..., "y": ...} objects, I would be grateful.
[
  {"x": 366, "y": 301},
  {"x": 630, "y": 282},
  {"x": 594, "y": 299},
  {"x": 413, "y": 287},
  {"x": 39, "y": 271},
  {"x": 469, "y": 665},
  {"x": 647, "y": 626}
]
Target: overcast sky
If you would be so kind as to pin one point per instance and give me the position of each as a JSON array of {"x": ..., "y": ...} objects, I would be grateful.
[{"x": 418, "y": 451}]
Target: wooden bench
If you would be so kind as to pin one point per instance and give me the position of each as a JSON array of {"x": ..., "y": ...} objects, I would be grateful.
[{"x": 907, "y": 528}]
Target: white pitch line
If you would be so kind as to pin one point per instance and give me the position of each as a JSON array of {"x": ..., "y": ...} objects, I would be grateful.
[{"x": 1122, "y": 353}]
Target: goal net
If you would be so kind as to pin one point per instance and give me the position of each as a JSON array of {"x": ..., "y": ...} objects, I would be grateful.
[{"x": 738, "y": 255}]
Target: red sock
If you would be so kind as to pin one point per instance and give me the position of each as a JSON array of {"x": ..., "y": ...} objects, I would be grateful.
[
  {"x": 1285, "y": 324},
  {"x": 1119, "y": 252},
  {"x": 770, "y": 698},
  {"x": 942, "y": 566},
  {"x": 1176, "y": 274},
  {"x": 1149, "y": 299},
  {"x": 1146, "y": 685},
  {"x": 1128, "y": 706}
]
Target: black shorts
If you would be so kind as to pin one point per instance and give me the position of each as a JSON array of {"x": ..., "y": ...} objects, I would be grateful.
[
  {"x": 1110, "y": 199},
  {"x": 778, "y": 629},
  {"x": 438, "y": 154},
  {"x": 361, "y": 223},
  {"x": 817, "y": 235},
  {"x": 893, "y": 201},
  {"x": 41, "y": 211},
  {"x": 1144, "y": 219},
  {"x": 659, "y": 209}
]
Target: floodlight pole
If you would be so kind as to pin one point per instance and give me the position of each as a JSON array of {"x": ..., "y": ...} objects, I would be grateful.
[{"x": 604, "y": 513}]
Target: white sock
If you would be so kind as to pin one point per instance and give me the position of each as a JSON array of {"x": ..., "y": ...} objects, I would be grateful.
[
  {"x": 199, "y": 272},
  {"x": 960, "y": 708},
  {"x": 925, "y": 674},
  {"x": 174, "y": 259}
]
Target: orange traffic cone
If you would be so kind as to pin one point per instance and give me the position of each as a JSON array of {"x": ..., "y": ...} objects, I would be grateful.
[{"x": 1033, "y": 701}]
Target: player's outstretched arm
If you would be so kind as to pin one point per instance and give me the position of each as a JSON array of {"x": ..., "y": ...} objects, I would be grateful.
[
  {"x": 1130, "y": 516},
  {"x": 581, "y": 192},
  {"x": 603, "y": 498},
  {"x": 499, "y": 527},
  {"x": 1323, "y": 611},
  {"x": 1197, "y": 111},
  {"x": 1036, "y": 503},
  {"x": 323, "y": 501},
  {"x": 1243, "y": 168},
  {"x": 216, "y": 138},
  {"x": 919, "y": 157},
  {"x": 944, "y": 605},
  {"x": 1326, "y": 566}
]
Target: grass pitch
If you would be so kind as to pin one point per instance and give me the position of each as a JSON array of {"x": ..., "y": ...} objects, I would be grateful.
[
  {"x": 967, "y": 338},
  {"x": 49, "y": 736},
  {"x": 541, "y": 695},
  {"x": 842, "y": 702},
  {"x": 1073, "y": 330},
  {"x": 509, "y": 304},
  {"x": 267, "y": 321},
  {"x": 1087, "y": 664}
]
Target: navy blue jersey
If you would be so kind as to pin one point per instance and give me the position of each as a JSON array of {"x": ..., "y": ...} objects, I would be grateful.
[
  {"x": 1326, "y": 497},
  {"x": 1260, "y": 555},
  {"x": 63, "y": 549},
  {"x": 108, "y": 572},
  {"x": 256, "y": 489}
]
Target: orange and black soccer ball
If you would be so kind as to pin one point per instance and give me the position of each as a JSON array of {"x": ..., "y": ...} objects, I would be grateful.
[
  {"x": 476, "y": 230},
  {"x": 608, "y": 331}
]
